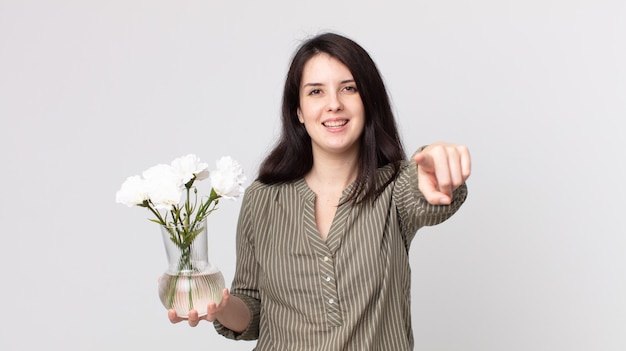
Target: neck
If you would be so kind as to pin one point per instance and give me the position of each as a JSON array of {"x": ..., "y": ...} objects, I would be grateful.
[{"x": 332, "y": 173}]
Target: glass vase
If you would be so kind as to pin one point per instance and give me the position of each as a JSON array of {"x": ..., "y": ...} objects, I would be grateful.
[{"x": 190, "y": 281}]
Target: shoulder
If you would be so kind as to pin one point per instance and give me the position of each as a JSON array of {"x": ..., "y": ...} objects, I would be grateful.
[
  {"x": 261, "y": 200},
  {"x": 259, "y": 187},
  {"x": 256, "y": 186},
  {"x": 259, "y": 192}
]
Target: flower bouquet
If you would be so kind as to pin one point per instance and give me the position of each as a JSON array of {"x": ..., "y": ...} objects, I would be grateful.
[{"x": 168, "y": 192}]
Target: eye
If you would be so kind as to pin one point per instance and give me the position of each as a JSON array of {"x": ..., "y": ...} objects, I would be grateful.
[
  {"x": 351, "y": 89},
  {"x": 315, "y": 92}
]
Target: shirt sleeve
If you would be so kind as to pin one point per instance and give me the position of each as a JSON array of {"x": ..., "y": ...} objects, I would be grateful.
[
  {"x": 245, "y": 283},
  {"x": 414, "y": 210}
]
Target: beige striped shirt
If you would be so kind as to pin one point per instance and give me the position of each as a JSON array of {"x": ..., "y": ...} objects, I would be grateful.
[{"x": 350, "y": 292}]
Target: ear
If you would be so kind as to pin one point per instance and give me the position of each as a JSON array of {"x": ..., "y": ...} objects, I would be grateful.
[{"x": 300, "y": 118}]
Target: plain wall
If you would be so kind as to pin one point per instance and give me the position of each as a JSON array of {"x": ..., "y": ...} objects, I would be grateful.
[{"x": 92, "y": 92}]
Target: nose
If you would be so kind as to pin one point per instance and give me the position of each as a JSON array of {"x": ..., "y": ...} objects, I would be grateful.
[{"x": 334, "y": 103}]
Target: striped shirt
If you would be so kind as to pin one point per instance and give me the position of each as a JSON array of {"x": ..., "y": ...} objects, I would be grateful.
[{"x": 350, "y": 292}]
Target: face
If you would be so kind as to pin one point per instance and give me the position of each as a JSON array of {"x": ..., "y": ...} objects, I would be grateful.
[{"x": 330, "y": 106}]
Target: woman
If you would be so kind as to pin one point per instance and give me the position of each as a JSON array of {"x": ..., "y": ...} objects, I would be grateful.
[{"x": 324, "y": 232}]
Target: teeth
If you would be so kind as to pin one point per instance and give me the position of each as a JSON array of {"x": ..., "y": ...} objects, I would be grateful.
[{"x": 335, "y": 123}]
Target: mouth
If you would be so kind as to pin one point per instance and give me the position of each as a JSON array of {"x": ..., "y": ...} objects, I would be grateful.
[{"x": 335, "y": 123}]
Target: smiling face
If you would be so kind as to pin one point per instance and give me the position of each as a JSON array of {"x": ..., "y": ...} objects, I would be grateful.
[{"x": 331, "y": 108}]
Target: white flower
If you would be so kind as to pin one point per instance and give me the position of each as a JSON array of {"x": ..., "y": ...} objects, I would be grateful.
[
  {"x": 190, "y": 165},
  {"x": 227, "y": 180},
  {"x": 133, "y": 192},
  {"x": 164, "y": 186}
]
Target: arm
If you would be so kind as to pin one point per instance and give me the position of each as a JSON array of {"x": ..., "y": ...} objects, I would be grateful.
[
  {"x": 241, "y": 322},
  {"x": 431, "y": 187}
]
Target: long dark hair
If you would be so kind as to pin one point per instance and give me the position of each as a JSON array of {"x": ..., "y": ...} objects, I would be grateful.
[{"x": 380, "y": 144}]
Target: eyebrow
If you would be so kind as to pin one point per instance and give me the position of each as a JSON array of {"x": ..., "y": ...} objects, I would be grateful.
[{"x": 320, "y": 84}]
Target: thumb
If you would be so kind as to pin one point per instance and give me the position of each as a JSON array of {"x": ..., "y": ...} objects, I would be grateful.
[
  {"x": 419, "y": 157},
  {"x": 422, "y": 160}
]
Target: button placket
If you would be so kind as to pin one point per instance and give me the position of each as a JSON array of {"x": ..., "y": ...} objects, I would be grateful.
[
  {"x": 329, "y": 288},
  {"x": 326, "y": 264}
]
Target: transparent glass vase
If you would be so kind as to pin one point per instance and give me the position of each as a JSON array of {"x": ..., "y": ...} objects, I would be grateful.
[{"x": 190, "y": 281}]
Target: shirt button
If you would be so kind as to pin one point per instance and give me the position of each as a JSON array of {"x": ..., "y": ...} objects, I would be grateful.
[
  {"x": 331, "y": 301},
  {"x": 327, "y": 278},
  {"x": 326, "y": 259}
]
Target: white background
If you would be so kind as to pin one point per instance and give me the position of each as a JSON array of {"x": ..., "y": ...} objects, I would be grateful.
[{"x": 92, "y": 92}]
